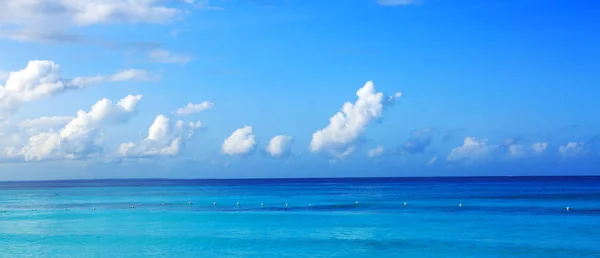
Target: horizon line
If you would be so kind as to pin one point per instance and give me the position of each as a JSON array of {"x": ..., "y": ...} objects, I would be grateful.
[{"x": 295, "y": 178}]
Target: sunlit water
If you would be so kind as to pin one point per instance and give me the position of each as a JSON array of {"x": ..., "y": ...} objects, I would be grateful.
[{"x": 499, "y": 217}]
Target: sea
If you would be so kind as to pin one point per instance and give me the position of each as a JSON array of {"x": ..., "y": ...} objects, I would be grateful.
[{"x": 351, "y": 217}]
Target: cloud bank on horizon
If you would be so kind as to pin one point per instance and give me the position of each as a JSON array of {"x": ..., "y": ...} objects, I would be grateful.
[{"x": 193, "y": 112}]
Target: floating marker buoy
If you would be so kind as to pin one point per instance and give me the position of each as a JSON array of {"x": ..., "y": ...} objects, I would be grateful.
[
  {"x": 162, "y": 203},
  {"x": 356, "y": 202},
  {"x": 568, "y": 208},
  {"x": 93, "y": 208},
  {"x": 238, "y": 204},
  {"x": 286, "y": 205},
  {"x": 460, "y": 205},
  {"x": 189, "y": 202},
  {"x": 309, "y": 204},
  {"x": 404, "y": 204},
  {"x": 262, "y": 204},
  {"x": 214, "y": 203},
  {"x": 3, "y": 210},
  {"x": 132, "y": 206}
]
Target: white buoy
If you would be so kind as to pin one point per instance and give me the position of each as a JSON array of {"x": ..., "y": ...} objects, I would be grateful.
[
  {"x": 3, "y": 210},
  {"x": 93, "y": 208},
  {"x": 262, "y": 204},
  {"x": 162, "y": 203},
  {"x": 309, "y": 204},
  {"x": 286, "y": 205},
  {"x": 214, "y": 203},
  {"x": 189, "y": 202},
  {"x": 132, "y": 206},
  {"x": 568, "y": 208},
  {"x": 238, "y": 204},
  {"x": 460, "y": 205},
  {"x": 356, "y": 202},
  {"x": 404, "y": 204}
]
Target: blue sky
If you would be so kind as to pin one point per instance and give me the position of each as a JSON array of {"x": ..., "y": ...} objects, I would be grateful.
[{"x": 447, "y": 88}]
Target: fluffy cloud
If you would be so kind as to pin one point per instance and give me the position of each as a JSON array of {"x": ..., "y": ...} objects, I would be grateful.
[
  {"x": 472, "y": 150},
  {"x": 167, "y": 57},
  {"x": 49, "y": 20},
  {"x": 164, "y": 139},
  {"x": 194, "y": 108},
  {"x": 572, "y": 149},
  {"x": 539, "y": 147},
  {"x": 42, "y": 78},
  {"x": 241, "y": 142},
  {"x": 79, "y": 138},
  {"x": 395, "y": 2},
  {"x": 346, "y": 126},
  {"x": 279, "y": 146},
  {"x": 376, "y": 152}
]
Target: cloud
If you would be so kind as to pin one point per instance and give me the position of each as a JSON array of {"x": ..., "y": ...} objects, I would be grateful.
[
  {"x": 205, "y": 5},
  {"x": 162, "y": 56},
  {"x": 194, "y": 108},
  {"x": 164, "y": 139},
  {"x": 241, "y": 142},
  {"x": 376, "y": 152},
  {"x": 539, "y": 147},
  {"x": 79, "y": 138},
  {"x": 50, "y": 20},
  {"x": 280, "y": 146},
  {"x": 345, "y": 127},
  {"x": 45, "y": 123},
  {"x": 395, "y": 2},
  {"x": 3, "y": 75},
  {"x": 472, "y": 151},
  {"x": 432, "y": 161},
  {"x": 42, "y": 78},
  {"x": 572, "y": 149},
  {"x": 516, "y": 151},
  {"x": 419, "y": 141}
]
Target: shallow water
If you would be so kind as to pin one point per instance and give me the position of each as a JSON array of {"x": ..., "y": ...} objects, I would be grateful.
[{"x": 499, "y": 217}]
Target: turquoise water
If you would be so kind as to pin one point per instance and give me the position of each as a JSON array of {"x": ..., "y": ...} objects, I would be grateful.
[{"x": 499, "y": 217}]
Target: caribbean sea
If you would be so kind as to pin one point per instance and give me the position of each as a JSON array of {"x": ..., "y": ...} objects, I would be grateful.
[{"x": 354, "y": 217}]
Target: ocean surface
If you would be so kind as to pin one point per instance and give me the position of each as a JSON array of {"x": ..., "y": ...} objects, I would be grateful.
[{"x": 367, "y": 217}]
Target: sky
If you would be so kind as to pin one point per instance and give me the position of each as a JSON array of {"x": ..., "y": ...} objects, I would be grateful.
[{"x": 288, "y": 88}]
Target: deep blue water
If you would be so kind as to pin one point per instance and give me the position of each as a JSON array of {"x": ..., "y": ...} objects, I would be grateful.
[{"x": 499, "y": 217}]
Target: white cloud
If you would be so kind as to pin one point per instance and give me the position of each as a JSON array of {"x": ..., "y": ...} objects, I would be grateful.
[
  {"x": 572, "y": 149},
  {"x": 44, "y": 123},
  {"x": 164, "y": 139},
  {"x": 395, "y": 2},
  {"x": 376, "y": 152},
  {"x": 133, "y": 75},
  {"x": 163, "y": 56},
  {"x": 194, "y": 108},
  {"x": 279, "y": 146},
  {"x": 241, "y": 142},
  {"x": 516, "y": 151},
  {"x": 346, "y": 126},
  {"x": 79, "y": 138},
  {"x": 3, "y": 75},
  {"x": 42, "y": 78},
  {"x": 472, "y": 150},
  {"x": 539, "y": 147},
  {"x": 49, "y": 20},
  {"x": 432, "y": 161}
]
